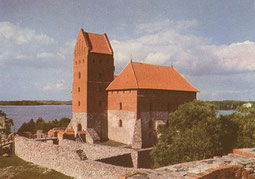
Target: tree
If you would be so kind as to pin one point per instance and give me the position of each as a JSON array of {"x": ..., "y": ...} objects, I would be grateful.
[
  {"x": 7, "y": 121},
  {"x": 245, "y": 130},
  {"x": 193, "y": 132},
  {"x": 40, "y": 123},
  {"x": 64, "y": 122}
]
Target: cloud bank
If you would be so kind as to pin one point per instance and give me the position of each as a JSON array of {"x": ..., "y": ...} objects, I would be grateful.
[{"x": 197, "y": 58}]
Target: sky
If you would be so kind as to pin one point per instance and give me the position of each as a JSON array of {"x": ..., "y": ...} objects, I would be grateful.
[{"x": 211, "y": 43}]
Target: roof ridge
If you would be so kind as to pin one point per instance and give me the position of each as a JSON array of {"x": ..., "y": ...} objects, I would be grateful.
[
  {"x": 108, "y": 42},
  {"x": 87, "y": 41},
  {"x": 134, "y": 74},
  {"x": 153, "y": 65}
]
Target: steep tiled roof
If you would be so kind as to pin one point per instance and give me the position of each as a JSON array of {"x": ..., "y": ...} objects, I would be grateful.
[
  {"x": 146, "y": 76},
  {"x": 98, "y": 43}
]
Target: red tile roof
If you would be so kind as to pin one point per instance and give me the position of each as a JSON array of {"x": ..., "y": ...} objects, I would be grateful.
[
  {"x": 145, "y": 76},
  {"x": 98, "y": 43}
]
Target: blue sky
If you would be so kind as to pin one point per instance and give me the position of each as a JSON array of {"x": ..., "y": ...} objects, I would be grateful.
[{"x": 211, "y": 43}]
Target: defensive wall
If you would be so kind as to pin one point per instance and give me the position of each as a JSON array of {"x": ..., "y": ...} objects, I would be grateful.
[
  {"x": 101, "y": 161},
  {"x": 65, "y": 160}
]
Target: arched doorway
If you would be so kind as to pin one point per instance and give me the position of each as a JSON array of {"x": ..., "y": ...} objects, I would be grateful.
[{"x": 79, "y": 128}]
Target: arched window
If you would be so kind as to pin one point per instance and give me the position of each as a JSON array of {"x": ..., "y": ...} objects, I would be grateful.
[
  {"x": 120, "y": 123},
  {"x": 79, "y": 89},
  {"x": 79, "y": 75},
  {"x": 79, "y": 128},
  {"x": 120, "y": 106},
  {"x": 79, "y": 103}
]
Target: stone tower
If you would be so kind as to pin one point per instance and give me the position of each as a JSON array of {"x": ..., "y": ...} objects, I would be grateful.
[{"x": 93, "y": 71}]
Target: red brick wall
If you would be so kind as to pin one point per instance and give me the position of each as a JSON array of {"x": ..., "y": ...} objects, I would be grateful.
[
  {"x": 100, "y": 75},
  {"x": 128, "y": 98},
  {"x": 79, "y": 66},
  {"x": 162, "y": 100},
  {"x": 96, "y": 72}
]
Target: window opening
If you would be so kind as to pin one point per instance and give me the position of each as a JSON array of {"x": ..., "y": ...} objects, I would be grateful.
[
  {"x": 120, "y": 123},
  {"x": 79, "y": 127}
]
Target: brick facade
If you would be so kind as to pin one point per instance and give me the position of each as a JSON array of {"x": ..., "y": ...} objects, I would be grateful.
[{"x": 129, "y": 107}]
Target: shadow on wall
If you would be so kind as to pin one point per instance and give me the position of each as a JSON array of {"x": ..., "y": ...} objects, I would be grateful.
[{"x": 124, "y": 160}]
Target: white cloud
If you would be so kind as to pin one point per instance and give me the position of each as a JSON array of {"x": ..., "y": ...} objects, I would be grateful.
[
  {"x": 25, "y": 47},
  {"x": 44, "y": 55},
  {"x": 163, "y": 43},
  {"x": 59, "y": 85},
  {"x": 21, "y": 36}
]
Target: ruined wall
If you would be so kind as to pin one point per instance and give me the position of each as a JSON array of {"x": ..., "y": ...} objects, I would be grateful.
[
  {"x": 64, "y": 160},
  {"x": 78, "y": 118}
]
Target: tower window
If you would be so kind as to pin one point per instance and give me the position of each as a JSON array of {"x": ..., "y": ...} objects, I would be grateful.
[
  {"x": 120, "y": 106},
  {"x": 79, "y": 62},
  {"x": 79, "y": 89},
  {"x": 76, "y": 62},
  {"x": 79, "y": 103},
  {"x": 83, "y": 61},
  {"x": 120, "y": 123},
  {"x": 79, "y": 75}
]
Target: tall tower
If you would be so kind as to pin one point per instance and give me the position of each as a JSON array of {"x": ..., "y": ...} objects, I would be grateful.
[{"x": 93, "y": 70}]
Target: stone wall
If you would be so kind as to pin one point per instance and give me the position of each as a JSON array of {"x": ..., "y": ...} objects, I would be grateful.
[
  {"x": 125, "y": 132},
  {"x": 94, "y": 151},
  {"x": 64, "y": 160},
  {"x": 78, "y": 118}
]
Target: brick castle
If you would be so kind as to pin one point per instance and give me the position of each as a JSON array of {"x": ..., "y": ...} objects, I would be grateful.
[{"x": 126, "y": 108}]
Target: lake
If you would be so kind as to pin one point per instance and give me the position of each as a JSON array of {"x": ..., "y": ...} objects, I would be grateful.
[{"x": 21, "y": 114}]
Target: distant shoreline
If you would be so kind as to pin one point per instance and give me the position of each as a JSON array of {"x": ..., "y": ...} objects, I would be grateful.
[{"x": 35, "y": 102}]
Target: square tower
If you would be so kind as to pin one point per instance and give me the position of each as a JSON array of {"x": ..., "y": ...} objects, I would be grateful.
[{"x": 93, "y": 71}]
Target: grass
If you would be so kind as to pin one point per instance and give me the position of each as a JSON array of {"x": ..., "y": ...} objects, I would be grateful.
[
  {"x": 14, "y": 167},
  {"x": 112, "y": 143}
]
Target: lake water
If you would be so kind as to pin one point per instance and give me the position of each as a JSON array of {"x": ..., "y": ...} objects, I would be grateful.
[{"x": 21, "y": 114}]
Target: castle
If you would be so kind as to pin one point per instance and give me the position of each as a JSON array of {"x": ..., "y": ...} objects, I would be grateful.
[{"x": 126, "y": 108}]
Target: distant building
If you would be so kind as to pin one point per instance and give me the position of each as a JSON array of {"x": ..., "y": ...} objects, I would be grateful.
[
  {"x": 125, "y": 108},
  {"x": 247, "y": 105}
]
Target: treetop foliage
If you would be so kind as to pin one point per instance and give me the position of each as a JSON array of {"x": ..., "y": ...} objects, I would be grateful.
[
  {"x": 194, "y": 132},
  {"x": 32, "y": 126}
]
